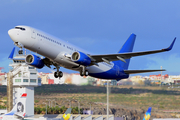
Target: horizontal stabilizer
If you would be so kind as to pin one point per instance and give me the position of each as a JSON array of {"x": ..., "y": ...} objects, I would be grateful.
[{"x": 140, "y": 71}]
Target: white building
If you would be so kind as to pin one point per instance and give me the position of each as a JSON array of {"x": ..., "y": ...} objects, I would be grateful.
[{"x": 24, "y": 80}]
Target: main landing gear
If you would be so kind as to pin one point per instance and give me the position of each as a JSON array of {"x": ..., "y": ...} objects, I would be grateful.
[
  {"x": 58, "y": 73},
  {"x": 83, "y": 71}
]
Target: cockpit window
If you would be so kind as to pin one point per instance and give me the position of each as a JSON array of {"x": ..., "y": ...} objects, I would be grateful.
[{"x": 20, "y": 28}]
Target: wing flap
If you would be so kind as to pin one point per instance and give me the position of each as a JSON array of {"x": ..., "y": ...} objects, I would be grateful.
[{"x": 141, "y": 71}]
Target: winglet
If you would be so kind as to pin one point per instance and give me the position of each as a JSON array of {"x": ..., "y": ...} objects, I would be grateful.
[
  {"x": 171, "y": 46},
  {"x": 12, "y": 54}
]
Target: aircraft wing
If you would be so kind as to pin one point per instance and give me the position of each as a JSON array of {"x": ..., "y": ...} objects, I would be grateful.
[
  {"x": 123, "y": 56},
  {"x": 140, "y": 71}
]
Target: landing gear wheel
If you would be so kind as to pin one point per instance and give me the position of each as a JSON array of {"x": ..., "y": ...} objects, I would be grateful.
[
  {"x": 20, "y": 51},
  {"x": 81, "y": 72},
  {"x": 60, "y": 74},
  {"x": 56, "y": 74},
  {"x": 84, "y": 72}
]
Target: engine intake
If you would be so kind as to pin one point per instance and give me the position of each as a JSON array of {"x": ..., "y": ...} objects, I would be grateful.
[
  {"x": 35, "y": 61},
  {"x": 81, "y": 58}
]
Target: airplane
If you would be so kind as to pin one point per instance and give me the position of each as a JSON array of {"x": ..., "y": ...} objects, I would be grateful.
[
  {"x": 17, "y": 112},
  {"x": 147, "y": 114},
  {"x": 59, "y": 53}
]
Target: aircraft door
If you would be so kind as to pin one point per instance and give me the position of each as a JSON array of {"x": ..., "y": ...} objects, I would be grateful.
[{"x": 33, "y": 34}]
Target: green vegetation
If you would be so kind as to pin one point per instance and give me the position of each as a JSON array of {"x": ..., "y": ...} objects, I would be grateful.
[
  {"x": 160, "y": 98},
  {"x": 36, "y": 101},
  {"x": 2, "y": 107},
  {"x": 55, "y": 110},
  {"x": 56, "y": 88},
  {"x": 3, "y": 90}
]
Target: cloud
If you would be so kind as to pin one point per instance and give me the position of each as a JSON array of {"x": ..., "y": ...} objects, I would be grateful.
[{"x": 170, "y": 63}]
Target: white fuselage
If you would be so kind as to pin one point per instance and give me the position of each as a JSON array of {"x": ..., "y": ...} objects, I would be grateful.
[
  {"x": 53, "y": 48},
  {"x": 69, "y": 56}
]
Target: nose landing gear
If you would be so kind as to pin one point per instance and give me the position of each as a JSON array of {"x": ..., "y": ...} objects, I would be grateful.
[
  {"x": 20, "y": 51},
  {"x": 20, "y": 46}
]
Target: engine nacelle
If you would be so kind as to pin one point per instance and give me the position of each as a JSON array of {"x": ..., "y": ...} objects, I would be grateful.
[
  {"x": 81, "y": 58},
  {"x": 35, "y": 61}
]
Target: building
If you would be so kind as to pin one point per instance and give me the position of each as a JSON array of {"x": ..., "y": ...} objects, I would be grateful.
[
  {"x": 21, "y": 80},
  {"x": 44, "y": 77},
  {"x": 73, "y": 78},
  {"x": 2, "y": 76},
  {"x": 158, "y": 77}
]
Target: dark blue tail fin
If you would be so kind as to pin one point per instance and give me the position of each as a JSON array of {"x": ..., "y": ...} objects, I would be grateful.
[
  {"x": 147, "y": 114},
  {"x": 127, "y": 47},
  {"x": 12, "y": 54}
]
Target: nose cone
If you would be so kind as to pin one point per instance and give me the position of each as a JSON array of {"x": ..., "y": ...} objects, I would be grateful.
[{"x": 12, "y": 34}]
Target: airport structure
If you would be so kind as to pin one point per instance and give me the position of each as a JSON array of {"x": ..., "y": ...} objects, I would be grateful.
[
  {"x": 72, "y": 117},
  {"x": 21, "y": 81}
]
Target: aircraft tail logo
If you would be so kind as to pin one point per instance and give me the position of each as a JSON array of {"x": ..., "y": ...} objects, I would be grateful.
[
  {"x": 67, "y": 114},
  {"x": 66, "y": 117},
  {"x": 18, "y": 109},
  {"x": 147, "y": 114}
]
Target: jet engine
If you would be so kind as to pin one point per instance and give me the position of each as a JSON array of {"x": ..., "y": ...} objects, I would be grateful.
[
  {"x": 35, "y": 61},
  {"x": 81, "y": 58}
]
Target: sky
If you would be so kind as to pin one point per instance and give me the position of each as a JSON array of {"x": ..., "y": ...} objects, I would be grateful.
[{"x": 100, "y": 26}]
